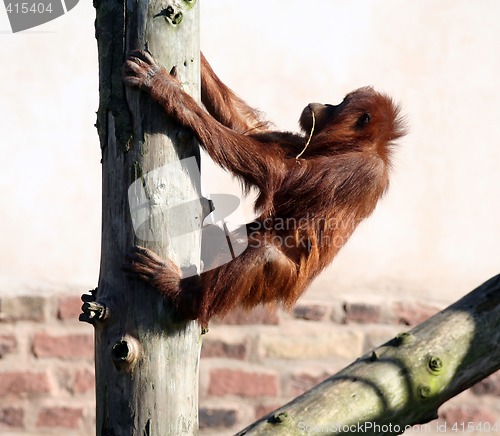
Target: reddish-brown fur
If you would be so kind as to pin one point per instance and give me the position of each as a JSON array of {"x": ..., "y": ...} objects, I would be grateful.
[{"x": 308, "y": 208}]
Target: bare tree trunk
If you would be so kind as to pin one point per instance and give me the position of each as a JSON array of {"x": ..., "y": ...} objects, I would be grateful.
[
  {"x": 404, "y": 381},
  {"x": 146, "y": 360}
]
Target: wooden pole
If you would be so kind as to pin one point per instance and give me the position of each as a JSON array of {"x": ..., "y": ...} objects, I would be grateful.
[{"x": 146, "y": 359}]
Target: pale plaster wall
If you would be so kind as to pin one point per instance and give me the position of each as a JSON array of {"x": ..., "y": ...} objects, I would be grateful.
[{"x": 437, "y": 232}]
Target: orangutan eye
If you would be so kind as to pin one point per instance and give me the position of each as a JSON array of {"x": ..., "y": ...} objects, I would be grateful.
[{"x": 363, "y": 120}]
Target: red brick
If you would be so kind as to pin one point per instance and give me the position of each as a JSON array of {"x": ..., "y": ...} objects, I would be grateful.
[
  {"x": 73, "y": 346},
  {"x": 309, "y": 312},
  {"x": 412, "y": 312},
  {"x": 489, "y": 386},
  {"x": 464, "y": 415},
  {"x": 69, "y": 308},
  {"x": 259, "y": 315},
  {"x": 65, "y": 417},
  {"x": 362, "y": 313},
  {"x": 84, "y": 382},
  {"x": 23, "y": 383},
  {"x": 299, "y": 383},
  {"x": 242, "y": 383},
  {"x": 8, "y": 344},
  {"x": 218, "y": 348},
  {"x": 11, "y": 418}
]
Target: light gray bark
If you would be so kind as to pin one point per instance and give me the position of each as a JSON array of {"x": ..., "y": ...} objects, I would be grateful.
[{"x": 146, "y": 360}]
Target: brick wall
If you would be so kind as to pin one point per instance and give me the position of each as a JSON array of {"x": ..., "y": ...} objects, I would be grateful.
[
  {"x": 251, "y": 363},
  {"x": 46, "y": 367}
]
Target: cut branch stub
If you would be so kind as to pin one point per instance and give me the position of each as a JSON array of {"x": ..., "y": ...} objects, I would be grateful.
[
  {"x": 93, "y": 311},
  {"x": 125, "y": 353}
]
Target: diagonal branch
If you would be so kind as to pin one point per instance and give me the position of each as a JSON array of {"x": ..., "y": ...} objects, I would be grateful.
[{"x": 404, "y": 381}]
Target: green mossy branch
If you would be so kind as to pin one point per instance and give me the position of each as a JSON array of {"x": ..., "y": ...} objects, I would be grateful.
[{"x": 403, "y": 382}]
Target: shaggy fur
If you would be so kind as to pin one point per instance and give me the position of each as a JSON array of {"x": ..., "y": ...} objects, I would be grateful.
[{"x": 308, "y": 207}]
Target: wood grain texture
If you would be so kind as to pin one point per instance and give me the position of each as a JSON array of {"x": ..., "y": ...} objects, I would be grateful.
[{"x": 146, "y": 360}]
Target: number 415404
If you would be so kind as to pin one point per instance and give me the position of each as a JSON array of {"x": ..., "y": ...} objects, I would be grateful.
[{"x": 29, "y": 8}]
